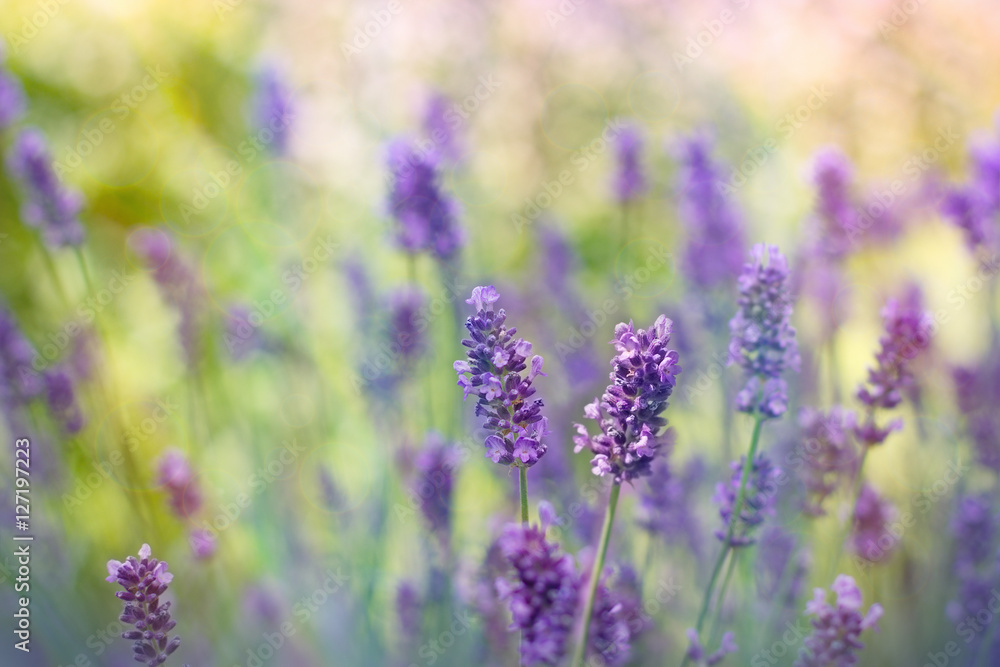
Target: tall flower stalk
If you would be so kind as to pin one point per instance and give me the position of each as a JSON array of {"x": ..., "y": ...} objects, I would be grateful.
[
  {"x": 763, "y": 343},
  {"x": 643, "y": 375}
]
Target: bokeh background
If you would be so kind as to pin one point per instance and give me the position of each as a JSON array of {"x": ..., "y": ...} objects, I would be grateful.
[{"x": 299, "y": 444}]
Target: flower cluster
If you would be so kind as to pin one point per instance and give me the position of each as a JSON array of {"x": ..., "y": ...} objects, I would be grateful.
[
  {"x": 828, "y": 454},
  {"x": 835, "y": 209},
  {"x": 758, "y": 499},
  {"x": 836, "y": 627},
  {"x": 870, "y": 538},
  {"x": 427, "y": 217},
  {"x": 145, "y": 581},
  {"x": 763, "y": 338},
  {"x": 643, "y": 375},
  {"x": 495, "y": 374},
  {"x": 714, "y": 252},
  {"x": 543, "y": 593},
  {"x": 974, "y": 205},
  {"x": 404, "y": 311},
  {"x": 50, "y": 207},
  {"x": 178, "y": 479},
  {"x": 908, "y": 331},
  {"x": 629, "y": 180},
  {"x": 435, "y": 467}
]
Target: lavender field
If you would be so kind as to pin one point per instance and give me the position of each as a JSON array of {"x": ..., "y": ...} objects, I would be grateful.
[{"x": 542, "y": 332}]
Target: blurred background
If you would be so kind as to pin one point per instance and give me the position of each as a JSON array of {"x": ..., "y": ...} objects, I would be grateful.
[{"x": 233, "y": 355}]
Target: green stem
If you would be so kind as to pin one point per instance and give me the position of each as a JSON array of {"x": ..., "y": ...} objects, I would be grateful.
[
  {"x": 85, "y": 271},
  {"x": 595, "y": 574},
  {"x": 733, "y": 519},
  {"x": 523, "y": 474},
  {"x": 50, "y": 265},
  {"x": 713, "y": 633}
]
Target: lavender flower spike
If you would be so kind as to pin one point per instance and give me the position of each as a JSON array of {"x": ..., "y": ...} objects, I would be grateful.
[
  {"x": 629, "y": 181},
  {"x": 643, "y": 375},
  {"x": 428, "y": 219},
  {"x": 50, "y": 207},
  {"x": 543, "y": 591},
  {"x": 758, "y": 500},
  {"x": 499, "y": 373},
  {"x": 273, "y": 110},
  {"x": 11, "y": 96},
  {"x": 837, "y": 627},
  {"x": 763, "y": 338},
  {"x": 145, "y": 581}
]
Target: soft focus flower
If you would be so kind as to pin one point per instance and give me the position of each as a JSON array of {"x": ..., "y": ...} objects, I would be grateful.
[
  {"x": 145, "y": 581},
  {"x": 408, "y": 612},
  {"x": 828, "y": 454},
  {"x": 427, "y": 217},
  {"x": 61, "y": 399},
  {"x": 203, "y": 543},
  {"x": 870, "y": 536},
  {"x": 833, "y": 175},
  {"x": 440, "y": 128},
  {"x": 432, "y": 487},
  {"x": 714, "y": 252},
  {"x": 178, "y": 284},
  {"x": 609, "y": 636},
  {"x": 11, "y": 96},
  {"x": 908, "y": 331},
  {"x": 763, "y": 338},
  {"x": 977, "y": 391},
  {"x": 174, "y": 472},
  {"x": 967, "y": 208},
  {"x": 273, "y": 110},
  {"x": 19, "y": 382},
  {"x": 696, "y": 652},
  {"x": 499, "y": 373},
  {"x": 758, "y": 499},
  {"x": 243, "y": 336},
  {"x": 836, "y": 628},
  {"x": 629, "y": 182},
  {"x": 543, "y": 592},
  {"x": 405, "y": 305},
  {"x": 50, "y": 207},
  {"x": 781, "y": 568}
]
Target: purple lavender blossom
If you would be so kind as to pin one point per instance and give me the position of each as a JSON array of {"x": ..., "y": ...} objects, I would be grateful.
[
  {"x": 966, "y": 207},
  {"x": 242, "y": 336},
  {"x": 696, "y": 652},
  {"x": 776, "y": 554},
  {"x": 19, "y": 382},
  {"x": 608, "y": 641},
  {"x": 273, "y": 110},
  {"x": 629, "y": 181},
  {"x": 668, "y": 505},
  {"x": 643, "y": 376},
  {"x": 870, "y": 538},
  {"x": 12, "y": 102},
  {"x": 61, "y": 399},
  {"x": 714, "y": 253},
  {"x": 758, "y": 500},
  {"x": 833, "y": 175},
  {"x": 174, "y": 472},
  {"x": 495, "y": 374},
  {"x": 543, "y": 593},
  {"x": 439, "y": 127},
  {"x": 177, "y": 282},
  {"x": 763, "y": 338},
  {"x": 978, "y": 391},
  {"x": 435, "y": 469},
  {"x": 50, "y": 207},
  {"x": 829, "y": 455},
  {"x": 908, "y": 331},
  {"x": 145, "y": 581},
  {"x": 203, "y": 543},
  {"x": 975, "y": 529},
  {"x": 428, "y": 219},
  {"x": 834, "y": 641},
  {"x": 408, "y": 612},
  {"x": 405, "y": 305}
]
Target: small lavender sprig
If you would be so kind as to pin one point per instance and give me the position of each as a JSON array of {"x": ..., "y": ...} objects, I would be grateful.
[
  {"x": 834, "y": 640},
  {"x": 145, "y": 581},
  {"x": 427, "y": 217},
  {"x": 629, "y": 181},
  {"x": 758, "y": 500}
]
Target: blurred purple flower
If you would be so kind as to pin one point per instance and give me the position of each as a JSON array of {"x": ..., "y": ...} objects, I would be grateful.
[
  {"x": 643, "y": 375},
  {"x": 440, "y": 123},
  {"x": 763, "y": 338},
  {"x": 242, "y": 336},
  {"x": 428, "y": 219},
  {"x": 908, "y": 331},
  {"x": 781, "y": 568},
  {"x": 696, "y": 652},
  {"x": 609, "y": 639},
  {"x": 61, "y": 399},
  {"x": 203, "y": 544},
  {"x": 758, "y": 500},
  {"x": 145, "y": 581},
  {"x": 833, "y": 175},
  {"x": 12, "y": 102},
  {"x": 174, "y": 472},
  {"x": 495, "y": 374},
  {"x": 20, "y": 381},
  {"x": 405, "y": 306},
  {"x": 715, "y": 247},
  {"x": 408, "y": 612},
  {"x": 273, "y": 110},
  {"x": 836, "y": 628},
  {"x": 543, "y": 592},
  {"x": 668, "y": 505},
  {"x": 870, "y": 538},
  {"x": 629, "y": 181},
  {"x": 828, "y": 454},
  {"x": 432, "y": 486},
  {"x": 50, "y": 207}
]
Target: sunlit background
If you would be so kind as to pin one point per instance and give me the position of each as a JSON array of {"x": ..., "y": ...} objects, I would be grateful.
[{"x": 246, "y": 401}]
